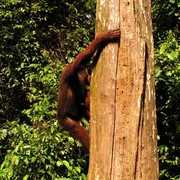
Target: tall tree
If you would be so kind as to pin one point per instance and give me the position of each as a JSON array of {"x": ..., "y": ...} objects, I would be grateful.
[{"x": 123, "y": 113}]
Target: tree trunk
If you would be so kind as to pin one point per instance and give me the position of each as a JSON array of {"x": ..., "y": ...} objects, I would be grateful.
[{"x": 123, "y": 114}]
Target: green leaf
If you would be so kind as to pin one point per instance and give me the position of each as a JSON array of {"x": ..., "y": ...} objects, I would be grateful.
[
  {"x": 58, "y": 163},
  {"x": 66, "y": 163},
  {"x": 168, "y": 73},
  {"x": 28, "y": 152},
  {"x": 26, "y": 161},
  {"x": 157, "y": 68},
  {"x": 78, "y": 169},
  {"x": 33, "y": 159},
  {"x": 26, "y": 177},
  {"x": 71, "y": 139},
  {"x": 172, "y": 1},
  {"x": 173, "y": 55},
  {"x": 15, "y": 159}
]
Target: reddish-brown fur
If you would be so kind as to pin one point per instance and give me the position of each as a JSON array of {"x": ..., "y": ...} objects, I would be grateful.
[{"x": 74, "y": 96}]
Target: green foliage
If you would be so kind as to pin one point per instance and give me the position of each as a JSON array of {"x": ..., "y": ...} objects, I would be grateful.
[
  {"x": 41, "y": 151},
  {"x": 165, "y": 14},
  {"x": 37, "y": 39},
  {"x": 168, "y": 97},
  {"x": 33, "y": 35}
]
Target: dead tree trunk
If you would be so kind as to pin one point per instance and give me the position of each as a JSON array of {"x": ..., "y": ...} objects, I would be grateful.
[{"x": 123, "y": 114}]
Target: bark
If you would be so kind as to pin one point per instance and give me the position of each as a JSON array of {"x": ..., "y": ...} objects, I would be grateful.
[{"x": 123, "y": 115}]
